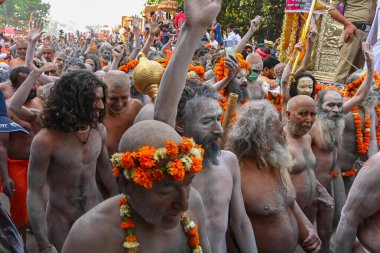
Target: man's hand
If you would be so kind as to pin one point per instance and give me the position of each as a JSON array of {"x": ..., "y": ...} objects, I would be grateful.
[
  {"x": 349, "y": 32},
  {"x": 8, "y": 186},
  {"x": 35, "y": 30},
  {"x": 255, "y": 24},
  {"x": 135, "y": 22},
  {"x": 312, "y": 36},
  {"x": 201, "y": 13},
  {"x": 232, "y": 65},
  {"x": 37, "y": 67},
  {"x": 368, "y": 55},
  {"x": 118, "y": 52},
  {"x": 154, "y": 25},
  {"x": 312, "y": 244}
]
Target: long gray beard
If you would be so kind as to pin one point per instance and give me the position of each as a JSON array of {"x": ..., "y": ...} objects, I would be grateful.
[
  {"x": 330, "y": 130},
  {"x": 279, "y": 157}
]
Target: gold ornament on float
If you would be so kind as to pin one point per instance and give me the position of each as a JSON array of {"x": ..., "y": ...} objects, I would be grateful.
[{"x": 147, "y": 76}]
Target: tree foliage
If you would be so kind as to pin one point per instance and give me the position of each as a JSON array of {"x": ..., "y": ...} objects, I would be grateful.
[
  {"x": 16, "y": 13},
  {"x": 240, "y": 12}
]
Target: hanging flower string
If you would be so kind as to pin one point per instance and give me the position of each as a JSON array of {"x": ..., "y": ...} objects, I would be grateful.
[
  {"x": 131, "y": 244},
  {"x": 377, "y": 109},
  {"x": 362, "y": 140}
]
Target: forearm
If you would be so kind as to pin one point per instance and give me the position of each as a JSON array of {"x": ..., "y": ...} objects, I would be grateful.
[
  {"x": 221, "y": 84},
  {"x": 21, "y": 95},
  {"x": 176, "y": 73},
  {"x": 244, "y": 235},
  {"x": 45, "y": 79},
  {"x": 30, "y": 52},
  {"x": 285, "y": 82},
  {"x": 165, "y": 47},
  {"x": 135, "y": 53},
  {"x": 345, "y": 236},
  {"x": 306, "y": 60},
  {"x": 138, "y": 42},
  {"x": 240, "y": 47},
  {"x": 37, "y": 218},
  {"x": 115, "y": 63},
  {"x": 335, "y": 14},
  {"x": 147, "y": 45},
  {"x": 303, "y": 223}
]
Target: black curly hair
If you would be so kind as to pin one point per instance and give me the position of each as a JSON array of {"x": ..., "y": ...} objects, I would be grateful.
[
  {"x": 293, "y": 87},
  {"x": 70, "y": 106}
]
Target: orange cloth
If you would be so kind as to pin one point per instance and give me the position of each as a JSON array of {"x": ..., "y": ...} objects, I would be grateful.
[{"x": 17, "y": 170}]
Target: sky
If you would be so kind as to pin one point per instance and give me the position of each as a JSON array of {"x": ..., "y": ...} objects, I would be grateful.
[{"x": 93, "y": 12}]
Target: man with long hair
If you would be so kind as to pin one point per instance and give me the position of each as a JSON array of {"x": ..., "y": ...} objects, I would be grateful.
[
  {"x": 258, "y": 140},
  {"x": 66, "y": 154}
]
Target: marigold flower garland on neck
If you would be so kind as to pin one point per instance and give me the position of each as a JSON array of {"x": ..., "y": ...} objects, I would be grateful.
[
  {"x": 149, "y": 165},
  {"x": 130, "y": 65},
  {"x": 199, "y": 70},
  {"x": 362, "y": 140},
  {"x": 163, "y": 61},
  {"x": 353, "y": 87},
  {"x": 131, "y": 244}
]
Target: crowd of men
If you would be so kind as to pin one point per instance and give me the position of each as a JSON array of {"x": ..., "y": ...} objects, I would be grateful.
[{"x": 92, "y": 163}]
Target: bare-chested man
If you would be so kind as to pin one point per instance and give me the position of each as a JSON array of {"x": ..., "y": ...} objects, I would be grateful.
[
  {"x": 311, "y": 195},
  {"x": 154, "y": 210},
  {"x": 121, "y": 108},
  {"x": 327, "y": 131},
  {"x": 361, "y": 213},
  {"x": 199, "y": 117},
  {"x": 219, "y": 183},
  {"x": 21, "y": 47},
  {"x": 66, "y": 154},
  {"x": 258, "y": 140},
  {"x": 350, "y": 158}
]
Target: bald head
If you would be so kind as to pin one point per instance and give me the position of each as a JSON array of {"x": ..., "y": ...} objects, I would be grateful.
[
  {"x": 299, "y": 101},
  {"x": 117, "y": 79},
  {"x": 148, "y": 133},
  {"x": 255, "y": 61}
]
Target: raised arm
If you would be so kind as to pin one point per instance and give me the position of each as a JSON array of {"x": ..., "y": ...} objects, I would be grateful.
[
  {"x": 21, "y": 95},
  {"x": 136, "y": 29},
  {"x": 364, "y": 89},
  {"x": 285, "y": 81},
  {"x": 117, "y": 54},
  {"x": 104, "y": 166},
  {"x": 255, "y": 25},
  {"x": 154, "y": 29},
  {"x": 34, "y": 34},
  {"x": 40, "y": 153},
  {"x": 199, "y": 16},
  {"x": 309, "y": 50},
  {"x": 232, "y": 65},
  {"x": 240, "y": 223}
]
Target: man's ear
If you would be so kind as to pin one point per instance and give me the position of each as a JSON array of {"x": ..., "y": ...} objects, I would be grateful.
[
  {"x": 288, "y": 115},
  {"x": 179, "y": 126}
]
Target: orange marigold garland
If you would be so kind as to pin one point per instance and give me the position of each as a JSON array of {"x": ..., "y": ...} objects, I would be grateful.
[
  {"x": 276, "y": 101},
  {"x": 353, "y": 87},
  {"x": 319, "y": 87},
  {"x": 362, "y": 140},
  {"x": 221, "y": 70},
  {"x": 130, "y": 65},
  {"x": 199, "y": 70},
  {"x": 349, "y": 173},
  {"x": 223, "y": 103},
  {"x": 131, "y": 244},
  {"x": 149, "y": 164}
]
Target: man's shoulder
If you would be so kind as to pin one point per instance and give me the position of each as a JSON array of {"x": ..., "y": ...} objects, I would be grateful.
[{"x": 229, "y": 159}]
